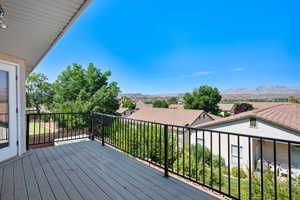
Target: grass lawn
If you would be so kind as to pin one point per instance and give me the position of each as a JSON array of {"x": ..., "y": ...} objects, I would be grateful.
[{"x": 35, "y": 128}]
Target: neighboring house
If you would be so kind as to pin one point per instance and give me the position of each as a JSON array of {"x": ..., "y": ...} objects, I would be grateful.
[
  {"x": 179, "y": 117},
  {"x": 227, "y": 107},
  {"x": 280, "y": 121},
  {"x": 141, "y": 105},
  {"x": 33, "y": 28},
  {"x": 124, "y": 112}
]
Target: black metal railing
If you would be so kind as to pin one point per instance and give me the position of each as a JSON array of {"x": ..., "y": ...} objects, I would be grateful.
[
  {"x": 47, "y": 128},
  {"x": 236, "y": 165}
]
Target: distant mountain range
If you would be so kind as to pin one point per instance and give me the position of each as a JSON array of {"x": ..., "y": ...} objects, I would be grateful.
[
  {"x": 268, "y": 89},
  {"x": 262, "y": 92}
]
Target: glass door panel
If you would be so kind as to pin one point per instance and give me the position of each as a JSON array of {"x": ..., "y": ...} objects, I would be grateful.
[{"x": 4, "y": 114}]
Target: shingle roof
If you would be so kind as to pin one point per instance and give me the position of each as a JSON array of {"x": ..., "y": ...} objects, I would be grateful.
[
  {"x": 176, "y": 106},
  {"x": 285, "y": 115},
  {"x": 179, "y": 117},
  {"x": 262, "y": 105},
  {"x": 121, "y": 110},
  {"x": 226, "y": 106},
  {"x": 141, "y": 105}
]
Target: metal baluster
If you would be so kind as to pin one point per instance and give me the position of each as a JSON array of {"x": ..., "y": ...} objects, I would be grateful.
[
  {"x": 190, "y": 162},
  {"x": 39, "y": 119},
  {"x": 250, "y": 171},
  {"x": 261, "y": 170},
  {"x": 148, "y": 150},
  {"x": 220, "y": 180},
  {"x": 211, "y": 159},
  {"x": 178, "y": 150},
  {"x": 183, "y": 158},
  {"x": 203, "y": 157},
  {"x": 160, "y": 145},
  {"x": 34, "y": 140},
  {"x": 172, "y": 148},
  {"x": 229, "y": 183},
  {"x": 144, "y": 139},
  {"x": 275, "y": 170},
  {"x": 166, "y": 145},
  {"x": 239, "y": 168},
  {"x": 290, "y": 170},
  {"x": 196, "y": 137}
]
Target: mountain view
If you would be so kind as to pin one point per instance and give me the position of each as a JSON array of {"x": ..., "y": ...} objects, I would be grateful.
[{"x": 261, "y": 92}]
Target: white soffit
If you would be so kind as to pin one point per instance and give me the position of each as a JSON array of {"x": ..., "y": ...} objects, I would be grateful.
[{"x": 33, "y": 26}]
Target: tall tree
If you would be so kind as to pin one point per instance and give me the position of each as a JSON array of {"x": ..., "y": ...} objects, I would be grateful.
[
  {"x": 88, "y": 89},
  {"x": 292, "y": 99},
  {"x": 203, "y": 98},
  {"x": 38, "y": 91},
  {"x": 160, "y": 104},
  {"x": 172, "y": 100},
  {"x": 127, "y": 103}
]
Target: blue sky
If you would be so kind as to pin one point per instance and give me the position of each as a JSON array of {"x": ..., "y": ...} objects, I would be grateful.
[{"x": 174, "y": 46}]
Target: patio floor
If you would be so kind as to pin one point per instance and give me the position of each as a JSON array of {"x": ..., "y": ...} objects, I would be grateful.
[{"x": 88, "y": 171}]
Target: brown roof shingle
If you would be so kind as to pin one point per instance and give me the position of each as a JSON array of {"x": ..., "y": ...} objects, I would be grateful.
[
  {"x": 285, "y": 115},
  {"x": 226, "y": 106},
  {"x": 179, "y": 117}
]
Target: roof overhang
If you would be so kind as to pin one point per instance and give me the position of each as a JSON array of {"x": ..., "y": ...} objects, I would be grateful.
[{"x": 33, "y": 27}]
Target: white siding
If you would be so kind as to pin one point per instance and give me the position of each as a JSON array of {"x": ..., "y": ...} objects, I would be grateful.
[{"x": 243, "y": 127}]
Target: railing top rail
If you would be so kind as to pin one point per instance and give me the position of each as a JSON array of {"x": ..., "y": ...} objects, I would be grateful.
[
  {"x": 61, "y": 113},
  {"x": 175, "y": 126}
]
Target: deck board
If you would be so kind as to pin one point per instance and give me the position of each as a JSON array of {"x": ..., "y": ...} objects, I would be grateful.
[
  {"x": 20, "y": 190},
  {"x": 32, "y": 187},
  {"x": 7, "y": 192},
  {"x": 88, "y": 171}
]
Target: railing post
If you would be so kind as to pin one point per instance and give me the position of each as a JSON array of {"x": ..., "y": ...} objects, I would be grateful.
[
  {"x": 166, "y": 145},
  {"x": 91, "y": 127},
  {"x": 102, "y": 123},
  {"x": 27, "y": 132}
]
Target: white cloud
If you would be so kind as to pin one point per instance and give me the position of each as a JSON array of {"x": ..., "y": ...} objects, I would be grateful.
[
  {"x": 203, "y": 73},
  {"x": 239, "y": 68}
]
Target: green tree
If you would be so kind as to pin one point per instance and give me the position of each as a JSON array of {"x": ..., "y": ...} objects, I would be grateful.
[
  {"x": 203, "y": 98},
  {"x": 172, "y": 100},
  {"x": 160, "y": 104},
  {"x": 127, "y": 103},
  {"x": 38, "y": 91},
  {"x": 85, "y": 90},
  {"x": 292, "y": 99}
]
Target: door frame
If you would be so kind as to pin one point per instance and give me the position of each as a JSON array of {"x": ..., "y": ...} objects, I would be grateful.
[{"x": 17, "y": 115}]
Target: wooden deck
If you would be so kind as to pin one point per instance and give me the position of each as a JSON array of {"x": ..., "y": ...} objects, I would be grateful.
[{"x": 88, "y": 171}]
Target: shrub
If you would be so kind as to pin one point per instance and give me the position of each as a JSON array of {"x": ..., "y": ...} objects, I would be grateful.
[{"x": 235, "y": 171}]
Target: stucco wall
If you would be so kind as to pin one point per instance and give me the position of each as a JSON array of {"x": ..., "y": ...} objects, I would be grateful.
[{"x": 21, "y": 72}]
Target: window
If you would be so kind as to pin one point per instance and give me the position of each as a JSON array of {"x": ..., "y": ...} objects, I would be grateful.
[
  {"x": 252, "y": 122},
  {"x": 235, "y": 154}
]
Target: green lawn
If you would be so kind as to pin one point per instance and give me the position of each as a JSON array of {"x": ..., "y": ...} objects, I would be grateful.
[{"x": 36, "y": 128}]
